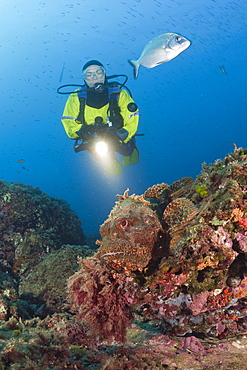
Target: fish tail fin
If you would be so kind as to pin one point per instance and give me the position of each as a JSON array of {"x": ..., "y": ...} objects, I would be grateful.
[{"x": 136, "y": 66}]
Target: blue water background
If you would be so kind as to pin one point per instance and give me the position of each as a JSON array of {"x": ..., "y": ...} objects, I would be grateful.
[{"x": 189, "y": 111}]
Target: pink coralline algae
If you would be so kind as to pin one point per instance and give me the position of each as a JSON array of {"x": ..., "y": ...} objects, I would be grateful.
[
  {"x": 192, "y": 343},
  {"x": 242, "y": 241},
  {"x": 179, "y": 256},
  {"x": 199, "y": 303}
]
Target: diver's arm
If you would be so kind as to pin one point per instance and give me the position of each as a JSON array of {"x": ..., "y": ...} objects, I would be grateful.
[
  {"x": 70, "y": 114},
  {"x": 131, "y": 119}
]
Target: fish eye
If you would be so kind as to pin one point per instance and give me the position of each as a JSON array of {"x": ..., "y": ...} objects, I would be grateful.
[
  {"x": 123, "y": 223},
  {"x": 178, "y": 38}
]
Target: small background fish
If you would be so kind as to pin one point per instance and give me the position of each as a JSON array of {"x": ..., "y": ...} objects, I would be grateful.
[
  {"x": 61, "y": 74},
  {"x": 222, "y": 69},
  {"x": 159, "y": 50}
]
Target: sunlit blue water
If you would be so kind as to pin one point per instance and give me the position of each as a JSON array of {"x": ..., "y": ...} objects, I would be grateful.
[{"x": 190, "y": 112}]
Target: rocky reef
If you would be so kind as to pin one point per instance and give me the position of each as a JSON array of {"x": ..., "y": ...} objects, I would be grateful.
[
  {"x": 175, "y": 256},
  {"x": 166, "y": 288},
  {"x": 30, "y": 219},
  {"x": 33, "y": 229}
]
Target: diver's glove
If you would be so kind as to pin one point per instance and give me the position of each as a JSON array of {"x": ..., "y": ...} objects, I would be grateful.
[
  {"x": 100, "y": 128},
  {"x": 86, "y": 132},
  {"x": 111, "y": 133}
]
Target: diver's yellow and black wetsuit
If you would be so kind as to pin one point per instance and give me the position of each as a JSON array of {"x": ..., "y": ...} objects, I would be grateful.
[
  {"x": 94, "y": 109},
  {"x": 98, "y": 105}
]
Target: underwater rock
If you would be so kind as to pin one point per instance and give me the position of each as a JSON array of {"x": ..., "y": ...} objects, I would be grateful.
[
  {"x": 31, "y": 225},
  {"x": 47, "y": 283},
  {"x": 59, "y": 342},
  {"x": 8, "y": 296},
  {"x": 183, "y": 250},
  {"x": 177, "y": 303}
]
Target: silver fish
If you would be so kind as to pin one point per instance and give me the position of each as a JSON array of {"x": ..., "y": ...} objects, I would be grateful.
[{"x": 161, "y": 49}]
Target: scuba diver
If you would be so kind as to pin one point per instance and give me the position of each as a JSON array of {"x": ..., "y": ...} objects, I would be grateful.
[{"x": 102, "y": 118}]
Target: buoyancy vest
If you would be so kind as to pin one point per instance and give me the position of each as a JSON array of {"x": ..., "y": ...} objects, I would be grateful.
[{"x": 113, "y": 111}]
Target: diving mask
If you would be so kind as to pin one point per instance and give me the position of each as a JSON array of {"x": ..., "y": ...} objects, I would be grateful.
[{"x": 94, "y": 73}]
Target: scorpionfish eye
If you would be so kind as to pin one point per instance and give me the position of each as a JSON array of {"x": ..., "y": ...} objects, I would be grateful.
[{"x": 122, "y": 224}]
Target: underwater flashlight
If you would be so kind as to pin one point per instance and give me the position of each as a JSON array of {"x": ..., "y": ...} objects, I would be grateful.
[{"x": 101, "y": 148}]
